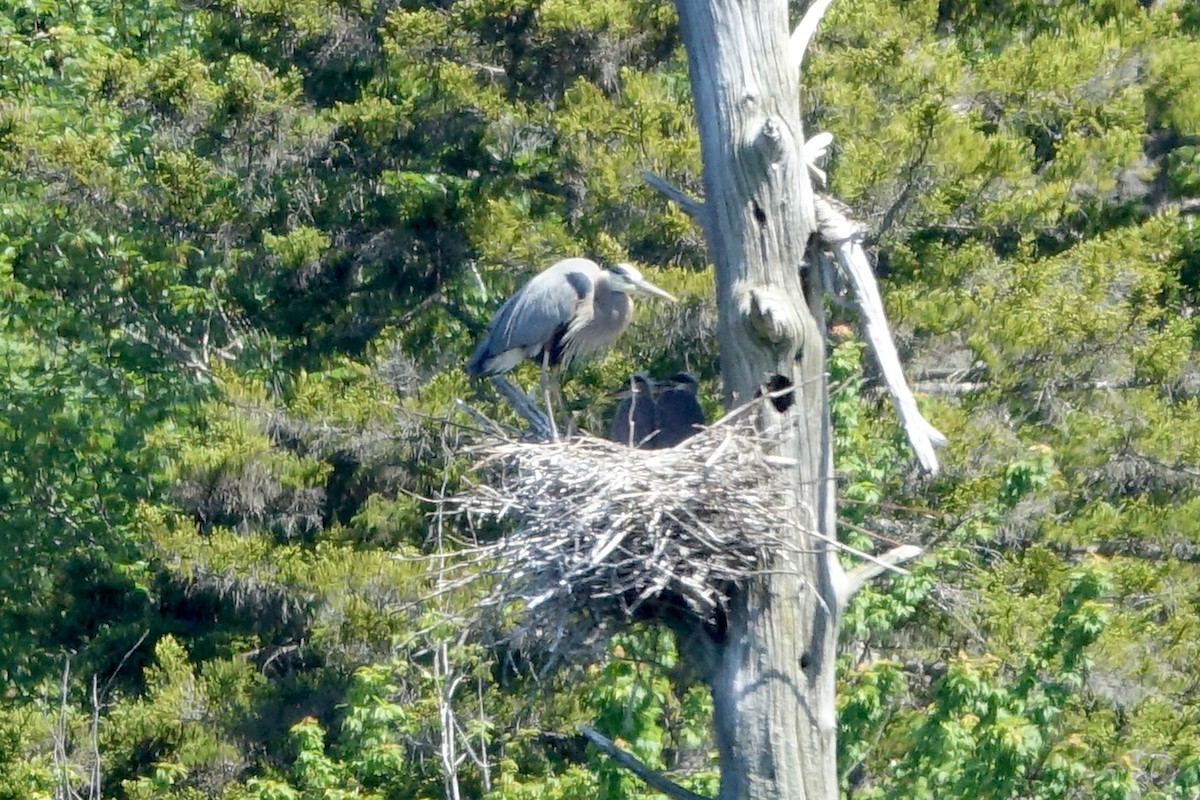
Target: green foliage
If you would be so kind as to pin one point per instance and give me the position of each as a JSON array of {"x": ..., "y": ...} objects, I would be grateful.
[
  {"x": 184, "y": 724},
  {"x": 990, "y": 731},
  {"x": 26, "y": 773},
  {"x": 245, "y": 247}
]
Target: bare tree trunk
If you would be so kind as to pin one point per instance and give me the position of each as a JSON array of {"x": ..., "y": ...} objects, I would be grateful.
[{"x": 773, "y": 680}]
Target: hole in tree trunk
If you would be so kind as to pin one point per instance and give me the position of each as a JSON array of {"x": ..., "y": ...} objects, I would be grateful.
[
  {"x": 778, "y": 388},
  {"x": 805, "y": 661},
  {"x": 760, "y": 216}
]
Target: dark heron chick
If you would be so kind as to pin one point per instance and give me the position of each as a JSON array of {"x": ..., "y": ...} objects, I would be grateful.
[
  {"x": 656, "y": 414},
  {"x": 635, "y": 422},
  {"x": 678, "y": 410}
]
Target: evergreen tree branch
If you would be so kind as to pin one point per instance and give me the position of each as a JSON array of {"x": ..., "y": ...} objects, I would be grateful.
[{"x": 655, "y": 780}]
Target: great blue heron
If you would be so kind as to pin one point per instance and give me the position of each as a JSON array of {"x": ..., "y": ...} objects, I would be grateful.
[
  {"x": 657, "y": 414},
  {"x": 635, "y": 422},
  {"x": 570, "y": 309},
  {"x": 678, "y": 410}
]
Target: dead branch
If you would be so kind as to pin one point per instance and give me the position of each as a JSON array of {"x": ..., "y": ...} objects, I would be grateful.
[
  {"x": 805, "y": 31},
  {"x": 814, "y": 150},
  {"x": 861, "y": 575},
  {"x": 655, "y": 780},
  {"x": 691, "y": 206},
  {"x": 843, "y": 237},
  {"x": 523, "y": 404}
]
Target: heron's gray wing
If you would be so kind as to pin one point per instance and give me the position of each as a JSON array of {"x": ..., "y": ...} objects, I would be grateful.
[
  {"x": 536, "y": 316},
  {"x": 679, "y": 414},
  {"x": 540, "y": 311}
]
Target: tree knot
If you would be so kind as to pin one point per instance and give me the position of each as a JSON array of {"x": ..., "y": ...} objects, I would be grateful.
[{"x": 772, "y": 316}]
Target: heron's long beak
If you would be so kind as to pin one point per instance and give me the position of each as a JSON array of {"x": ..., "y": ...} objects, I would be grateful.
[{"x": 647, "y": 287}]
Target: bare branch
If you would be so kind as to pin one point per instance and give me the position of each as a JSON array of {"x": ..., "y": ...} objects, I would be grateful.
[
  {"x": 485, "y": 423},
  {"x": 950, "y": 388},
  {"x": 539, "y": 423},
  {"x": 691, "y": 206},
  {"x": 94, "y": 779},
  {"x": 805, "y": 30},
  {"x": 656, "y": 780},
  {"x": 858, "y": 577},
  {"x": 60, "y": 737},
  {"x": 843, "y": 236},
  {"x": 955, "y": 388},
  {"x": 815, "y": 149},
  {"x": 835, "y": 223}
]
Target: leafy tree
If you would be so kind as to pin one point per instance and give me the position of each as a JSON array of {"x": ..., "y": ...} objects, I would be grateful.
[{"x": 244, "y": 248}]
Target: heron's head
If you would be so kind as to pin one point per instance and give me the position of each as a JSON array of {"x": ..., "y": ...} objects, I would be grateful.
[
  {"x": 628, "y": 278},
  {"x": 638, "y": 383},
  {"x": 682, "y": 380}
]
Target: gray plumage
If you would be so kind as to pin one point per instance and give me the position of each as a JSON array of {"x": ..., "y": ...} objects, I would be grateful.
[
  {"x": 572, "y": 308},
  {"x": 634, "y": 421},
  {"x": 677, "y": 410}
]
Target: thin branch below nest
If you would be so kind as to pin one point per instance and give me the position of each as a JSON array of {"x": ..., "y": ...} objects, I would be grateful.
[
  {"x": 858, "y": 577},
  {"x": 656, "y": 780}
]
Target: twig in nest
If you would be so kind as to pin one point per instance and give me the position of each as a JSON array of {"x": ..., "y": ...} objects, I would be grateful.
[
  {"x": 605, "y": 531},
  {"x": 602, "y": 520}
]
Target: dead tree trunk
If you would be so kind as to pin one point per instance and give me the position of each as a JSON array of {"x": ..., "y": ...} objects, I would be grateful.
[{"x": 773, "y": 676}]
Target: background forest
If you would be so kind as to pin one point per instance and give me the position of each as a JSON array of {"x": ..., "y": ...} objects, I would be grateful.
[{"x": 246, "y": 246}]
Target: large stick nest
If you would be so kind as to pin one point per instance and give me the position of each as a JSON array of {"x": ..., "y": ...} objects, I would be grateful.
[{"x": 604, "y": 532}]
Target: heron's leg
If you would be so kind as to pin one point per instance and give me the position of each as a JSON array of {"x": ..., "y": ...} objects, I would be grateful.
[
  {"x": 633, "y": 401},
  {"x": 545, "y": 381},
  {"x": 556, "y": 394}
]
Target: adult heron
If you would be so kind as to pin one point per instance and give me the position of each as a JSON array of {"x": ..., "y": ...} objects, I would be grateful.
[
  {"x": 677, "y": 410},
  {"x": 570, "y": 309},
  {"x": 635, "y": 422},
  {"x": 573, "y": 308}
]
